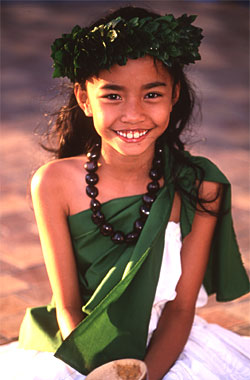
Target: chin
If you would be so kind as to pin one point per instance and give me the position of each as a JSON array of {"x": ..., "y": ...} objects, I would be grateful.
[{"x": 135, "y": 149}]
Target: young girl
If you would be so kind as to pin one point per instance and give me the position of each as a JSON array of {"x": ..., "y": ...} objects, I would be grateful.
[{"x": 131, "y": 230}]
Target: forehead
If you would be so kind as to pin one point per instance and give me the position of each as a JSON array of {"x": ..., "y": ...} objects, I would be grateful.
[{"x": 136, "y": 71}]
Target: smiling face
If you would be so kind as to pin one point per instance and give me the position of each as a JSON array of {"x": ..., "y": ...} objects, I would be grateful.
[{"x": 130, "y": 105}]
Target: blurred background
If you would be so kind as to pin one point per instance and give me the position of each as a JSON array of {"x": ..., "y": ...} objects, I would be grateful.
[{"x": 28, "y": 92}]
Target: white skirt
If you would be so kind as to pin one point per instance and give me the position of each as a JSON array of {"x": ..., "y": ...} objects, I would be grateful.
[{"x": 211, "y": 353}]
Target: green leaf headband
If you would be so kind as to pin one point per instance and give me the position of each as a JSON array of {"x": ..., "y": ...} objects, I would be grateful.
[{"x": 83, "y": 52}]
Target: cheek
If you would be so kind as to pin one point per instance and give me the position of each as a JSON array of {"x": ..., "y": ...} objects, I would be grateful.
[
  {"x": 96, "y": 111},
  {"x": 163, "y": 115},
  {"x": 104, "y": 116},
  {"x": 100, "y": 120}
]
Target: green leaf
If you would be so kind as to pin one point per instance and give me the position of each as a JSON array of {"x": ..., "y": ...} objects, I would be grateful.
[
  {"x": 57, "y": 73},
  {"x": 174, "y": 51},
  {"x": 192, "y": 18},
  {"x": 152, "y": 27},
  {"x": 143, "y": 21},
  {"x": 76, "y": 29},
  {"x": 67, "y": 47},
  {"x": 134, "y": 22},
  {"x": 59, "y": 55},
  {"x": 112, "y": 24},
  {"x": 167, "y": 18}
]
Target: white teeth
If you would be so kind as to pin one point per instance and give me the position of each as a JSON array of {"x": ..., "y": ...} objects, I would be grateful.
[
  {"x": 136, "y": 135},
  {"x": 132, "y": 134}
]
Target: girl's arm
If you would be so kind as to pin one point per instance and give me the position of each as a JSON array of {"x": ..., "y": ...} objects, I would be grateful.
[
  {"x": 48, "y": 189},
  {"x": 176, "y": 320}
]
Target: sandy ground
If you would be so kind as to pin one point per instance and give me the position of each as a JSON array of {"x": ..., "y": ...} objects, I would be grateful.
[{"x": 27, "y": 92}]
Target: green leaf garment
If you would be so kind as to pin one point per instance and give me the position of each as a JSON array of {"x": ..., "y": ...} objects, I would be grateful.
[{"x": 118, "y": 282}]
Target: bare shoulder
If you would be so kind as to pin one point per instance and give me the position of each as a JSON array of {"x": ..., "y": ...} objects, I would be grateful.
[
  {"x": 55, "y": 173},
  {"x": 209, "y": 189},
  {"x": 211, "y": 193},
  {"x": 58, "y": 181}
]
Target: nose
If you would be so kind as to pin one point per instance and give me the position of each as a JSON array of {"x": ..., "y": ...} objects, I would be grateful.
[{"x": 132, "y": 111}]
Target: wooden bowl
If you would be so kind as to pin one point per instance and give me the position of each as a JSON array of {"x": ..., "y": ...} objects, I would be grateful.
[{"x": 123, "y": 369}]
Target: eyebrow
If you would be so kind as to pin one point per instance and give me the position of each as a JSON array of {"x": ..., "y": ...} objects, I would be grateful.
[
  {"x": 117, "y": 87},
  {"x": 154, "y": 84}
]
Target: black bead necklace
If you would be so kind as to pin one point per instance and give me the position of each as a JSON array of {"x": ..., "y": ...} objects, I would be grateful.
[{"x": 148, "y": 199}]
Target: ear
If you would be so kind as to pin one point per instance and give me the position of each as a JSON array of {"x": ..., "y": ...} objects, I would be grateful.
[
  {"x": 82, "y": 99},
  {"x": 176, "y": 93}
]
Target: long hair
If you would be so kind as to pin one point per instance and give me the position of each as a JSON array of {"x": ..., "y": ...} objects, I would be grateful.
[{"x": 75, "y": 133}]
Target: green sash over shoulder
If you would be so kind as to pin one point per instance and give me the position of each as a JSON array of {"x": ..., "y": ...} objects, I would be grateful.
[{"x": 118, "y": 282}]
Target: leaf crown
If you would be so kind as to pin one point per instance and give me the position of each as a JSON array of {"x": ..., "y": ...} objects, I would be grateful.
[{"x": 84, "y": 52}]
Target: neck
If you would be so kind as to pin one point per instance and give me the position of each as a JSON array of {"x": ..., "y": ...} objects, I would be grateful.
[{"x": 126, "y": 166}]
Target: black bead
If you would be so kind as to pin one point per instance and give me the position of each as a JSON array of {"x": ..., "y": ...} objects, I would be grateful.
[
  {"x": 91, "y": 166},
  {"x": 157, "y": 163},
  {"x": 95, "y": 205},
  {"x": 118, "y": 237},
  {"x": 139, "y": 224},
  {"x": 91, "y": 178},
  {"x": 98, "y": 217},
  {"x": 144, "y": 211},
  {"x": 106, "y": 229},
  {"x": 93, "y": 155},
  {"x": 149, "y": 198},
  {"x": 132, "y": 237},
  {"x": 159, "y": 151},
  {"x": 91, "y": 191},
  {"x": 153, "y": 187},
  {"x": 154, "y": 174}
]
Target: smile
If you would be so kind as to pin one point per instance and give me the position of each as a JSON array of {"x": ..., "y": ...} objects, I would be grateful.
[{"x": 132, "y": 135}]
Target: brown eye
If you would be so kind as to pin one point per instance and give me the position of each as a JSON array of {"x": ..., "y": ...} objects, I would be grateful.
[
  {"x": 153, "y": 95},
  {"x": 113, "y": 97}
]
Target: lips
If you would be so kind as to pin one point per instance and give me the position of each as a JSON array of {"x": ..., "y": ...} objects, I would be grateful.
[{"x": 132, "y": 134}]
